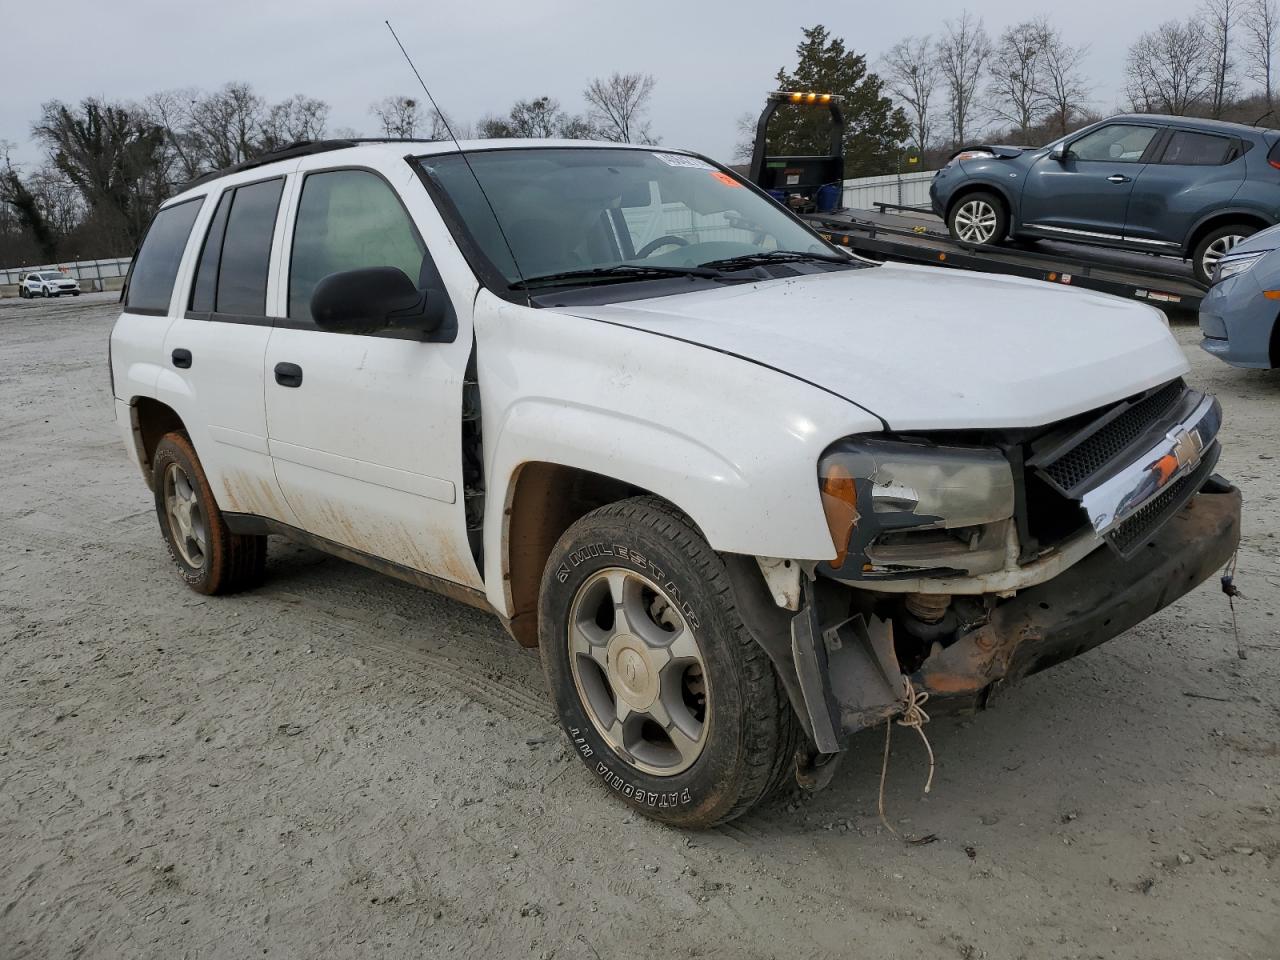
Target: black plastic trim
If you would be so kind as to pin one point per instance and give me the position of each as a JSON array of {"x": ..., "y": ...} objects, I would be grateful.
[{"x": 253, "y": 525}]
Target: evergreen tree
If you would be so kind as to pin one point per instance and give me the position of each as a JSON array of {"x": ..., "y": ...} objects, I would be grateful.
[{"x": 874, "y": 128}]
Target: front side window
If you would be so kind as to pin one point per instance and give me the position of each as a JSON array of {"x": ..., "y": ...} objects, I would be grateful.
[
  {"x": 155, "y": 268},
  {"x": 348, "y": 220},
  {"x": 573, "y": 209},
  {"x": 1117, "y": 142},
  {"x": 1198, "y": 149}
]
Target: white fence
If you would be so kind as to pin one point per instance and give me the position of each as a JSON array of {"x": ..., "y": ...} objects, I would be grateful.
[
  {"x": 908, "y": 189},
  {"x": 80, "y": 269}
]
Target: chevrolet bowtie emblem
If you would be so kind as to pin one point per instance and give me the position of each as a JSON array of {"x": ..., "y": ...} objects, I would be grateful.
[{"x": 1187, "y": 447}]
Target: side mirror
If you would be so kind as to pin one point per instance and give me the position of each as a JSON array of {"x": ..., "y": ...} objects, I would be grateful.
[
  {"x": 374, "y": 299},
  {"x": 1060, "y": 152}
]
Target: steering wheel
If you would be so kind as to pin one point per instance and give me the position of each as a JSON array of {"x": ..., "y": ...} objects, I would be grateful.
[{"x": 667, "y": 241}]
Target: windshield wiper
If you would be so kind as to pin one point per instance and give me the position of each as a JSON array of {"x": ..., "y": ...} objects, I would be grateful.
[
  {"x": 619, "y": 271},
  {"x": 773, "y": 256}
]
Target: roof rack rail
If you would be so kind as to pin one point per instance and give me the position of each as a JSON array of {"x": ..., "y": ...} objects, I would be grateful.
[{"x": 299, "y": 148}]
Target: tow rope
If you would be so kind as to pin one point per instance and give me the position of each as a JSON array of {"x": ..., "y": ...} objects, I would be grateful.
[{"x": 913, "y": 716}]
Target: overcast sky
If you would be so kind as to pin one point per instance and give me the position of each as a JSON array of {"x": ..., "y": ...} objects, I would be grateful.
[{"x": 713, "y": 59}]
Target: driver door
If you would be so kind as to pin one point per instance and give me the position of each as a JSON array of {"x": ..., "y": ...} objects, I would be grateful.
[{"x": 1085, "y": 195}]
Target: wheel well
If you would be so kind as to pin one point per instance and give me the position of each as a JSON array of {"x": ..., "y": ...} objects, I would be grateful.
[
  {"x": 151, "y": 421},
  {"x": 545, "y": 500},
  {"x": 1275, "y": 344},
  {"x": 1213, "y": 223},
  {"x": 967, "y": 191}
]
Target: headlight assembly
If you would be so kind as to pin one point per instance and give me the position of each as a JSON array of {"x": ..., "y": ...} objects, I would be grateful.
[
  {"x": 899, "y": 509},
  {"x": 1230, "y": 266}
]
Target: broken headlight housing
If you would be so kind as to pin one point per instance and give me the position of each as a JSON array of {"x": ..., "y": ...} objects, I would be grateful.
[{"x": 908, "y": 509}]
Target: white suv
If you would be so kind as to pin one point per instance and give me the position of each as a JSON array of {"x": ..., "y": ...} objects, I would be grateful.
[
  {"x": 748, "y": 495},
  {"x": 48, "y": 283}
]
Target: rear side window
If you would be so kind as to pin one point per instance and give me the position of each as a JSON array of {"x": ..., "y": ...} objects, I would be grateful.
[
  {"x": 348, "y": 219},
  {"x": 156, "y": 265},
  {"x": 1199, "y": 149},
  {"x": 231, "y": 277}
]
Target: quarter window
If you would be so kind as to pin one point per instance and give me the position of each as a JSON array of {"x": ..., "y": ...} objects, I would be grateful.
[
  {"x": 349, "y": 219},
  {"x": 1198, "y": 149},
  {"x": 1116, "y": 142},
  {"x": 155, "y": 268}
]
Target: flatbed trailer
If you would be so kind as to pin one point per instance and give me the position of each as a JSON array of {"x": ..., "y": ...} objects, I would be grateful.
[{"x": 881, "y": 235}]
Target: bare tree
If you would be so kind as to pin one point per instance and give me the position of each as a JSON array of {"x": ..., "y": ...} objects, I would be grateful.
[
  {"x": 1062, "y": 82},
  {"x": 298, "y": 118},
  {"x": 912, "y": 72},
  {"x": 227, "y": 125},
  {"x": 171, "y": 111},
  {"x": 1016, "y": 67},
  {"x": 1218, "y": 19},
  {"x": 1261, "y": 27},
  {"x": 963, "y": 52},
  {"x": 1170, "y": 69},
  {"x": 616, "y": 107},
  {"x": 399, "y": 117}
]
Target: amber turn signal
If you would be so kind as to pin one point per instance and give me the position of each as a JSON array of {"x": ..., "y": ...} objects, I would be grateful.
[{"x": 840, "y": 504}]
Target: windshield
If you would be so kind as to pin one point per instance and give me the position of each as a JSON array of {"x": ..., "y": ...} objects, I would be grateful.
[
  {"x": 51, "y": 275},
  {"x": 565, "y": 210}
]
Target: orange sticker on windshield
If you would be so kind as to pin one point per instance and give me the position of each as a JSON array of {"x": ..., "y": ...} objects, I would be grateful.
[{"x": 724, "y": 178}]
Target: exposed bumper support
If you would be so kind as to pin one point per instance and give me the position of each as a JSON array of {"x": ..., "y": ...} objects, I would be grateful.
[
  {"x": 849, "y": 676},
  {"x": 1097, "y": 599}
]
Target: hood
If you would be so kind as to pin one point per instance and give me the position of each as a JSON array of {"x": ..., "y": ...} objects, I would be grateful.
[
  {"x": 927, "y": 348},
  {"x": 1001, "y": 150}
]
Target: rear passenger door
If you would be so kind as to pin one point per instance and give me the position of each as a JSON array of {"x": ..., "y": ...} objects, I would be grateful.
[
  {"x": 215, "y": 348},
  {"x": 1193, "y": 174},
  {"x": 366, "y": 431}
]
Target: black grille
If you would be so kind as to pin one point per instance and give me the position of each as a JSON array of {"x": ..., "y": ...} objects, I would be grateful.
[
  {"x": 1107, "y": 443},
  {"x": 1130, "y": 534}
]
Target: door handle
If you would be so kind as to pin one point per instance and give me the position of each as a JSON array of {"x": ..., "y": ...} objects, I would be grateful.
[
  {"x": 181, "y": 358},
  {"x": 288, "y": 375},
  {"x": 1117, "y": 178}
]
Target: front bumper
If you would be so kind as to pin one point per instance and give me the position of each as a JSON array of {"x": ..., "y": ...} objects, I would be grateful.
[
  {"x": 1097, "y": 599},
  {"x": 1237, "y": 320},
  {"x": 849, "y": 673}
]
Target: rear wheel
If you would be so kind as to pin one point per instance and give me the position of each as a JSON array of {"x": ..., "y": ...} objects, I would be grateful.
[
  {"x": 663, "y": 693},
  {"x": 1216, "y": 244},
  {"x": 979, "y": 218},
  {"x": 210, "y": 558}
]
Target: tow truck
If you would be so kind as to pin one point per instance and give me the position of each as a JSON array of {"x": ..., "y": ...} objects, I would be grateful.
[{"x": 811, "y": 186}]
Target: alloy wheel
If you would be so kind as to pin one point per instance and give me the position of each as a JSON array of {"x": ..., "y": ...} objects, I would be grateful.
[
  {"x": 975, "y": 221},
  {"x": 186, "y": 518},
  {"x": 1216, "y": 251},
  {"x": 639, "y": 671}
]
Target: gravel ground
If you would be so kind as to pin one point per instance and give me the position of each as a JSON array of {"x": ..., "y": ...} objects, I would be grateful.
[{"x": 339, "y": 765}]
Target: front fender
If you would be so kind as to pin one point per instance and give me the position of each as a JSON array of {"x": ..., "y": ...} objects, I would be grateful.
[{"x": 733, "y": 444}]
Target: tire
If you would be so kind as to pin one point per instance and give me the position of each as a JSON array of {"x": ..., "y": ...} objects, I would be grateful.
[
  {"x": 717, "y": 692},
  {"x": 47, "y": 293},
  {"x": 1214, "y": 244},
  {"x": 978, "y": 217},
  {"x": 209, "y": 557}
]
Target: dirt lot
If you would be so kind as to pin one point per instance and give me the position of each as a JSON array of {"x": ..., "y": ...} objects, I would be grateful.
[{"x": 338, "y": 765}]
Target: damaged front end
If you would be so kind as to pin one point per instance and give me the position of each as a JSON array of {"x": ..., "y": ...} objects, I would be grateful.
[{"x": 970, "y": 562}]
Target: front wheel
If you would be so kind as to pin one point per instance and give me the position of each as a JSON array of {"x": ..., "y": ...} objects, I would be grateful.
[
  {"x": 663, "y": 693},
  {"x": 1215, "y": 245},
  {"x": 209, "y": 557},
  {"x": 979, "y": 218}
]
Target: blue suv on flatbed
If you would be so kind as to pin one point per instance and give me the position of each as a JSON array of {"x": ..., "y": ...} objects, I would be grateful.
[{"x": 1175, "y": 186}]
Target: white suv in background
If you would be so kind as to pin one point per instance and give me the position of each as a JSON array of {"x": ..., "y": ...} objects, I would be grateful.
[
  {"x": 746, "y": 494},
  {"x": 48, "y": 283}
]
